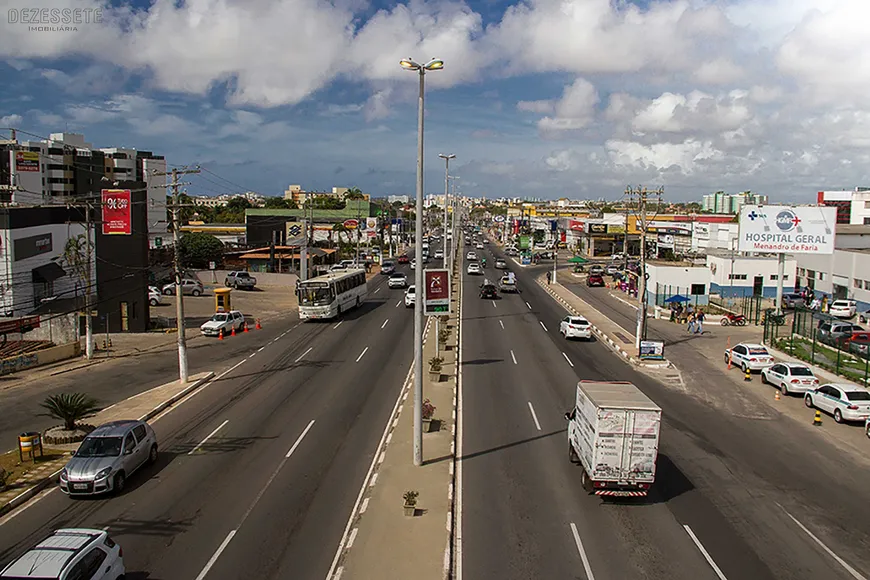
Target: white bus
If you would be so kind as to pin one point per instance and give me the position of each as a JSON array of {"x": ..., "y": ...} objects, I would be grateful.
[{"x": 329, "y": 295}]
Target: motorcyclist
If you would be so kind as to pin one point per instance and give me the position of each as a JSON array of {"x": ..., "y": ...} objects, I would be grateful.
[{"x": 483, "y": 261}]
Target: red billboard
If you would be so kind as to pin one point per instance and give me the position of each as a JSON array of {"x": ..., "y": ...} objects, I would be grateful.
[
  {"x": 436, "y": 292},
  {"x": 117, "y": 212}
]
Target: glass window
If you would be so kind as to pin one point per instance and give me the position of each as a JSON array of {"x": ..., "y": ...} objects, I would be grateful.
[
  {"x": 858, "y": 395},
  {"x": 315, "y": 295},
  {"x": 99, "y": 447},
  {"x": 698, "y": 289},
  {"x": 801, "y": 372},
  {"x": 139, "y": 432},
  {"x": 857, "y": 283},
  {"x": 129, "y": 443}
]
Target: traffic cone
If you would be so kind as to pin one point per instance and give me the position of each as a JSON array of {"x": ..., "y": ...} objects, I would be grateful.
[
  {"x": 747, "y": 375},
  {"x": 245, "y": 327},
  {"x": 817, "y": 420},
  {"x": 221, "y": 335},
  {"x": 233, "y": 333},
  {"x": 258, "y": 327},
  {"x": 776, "y": 395}
]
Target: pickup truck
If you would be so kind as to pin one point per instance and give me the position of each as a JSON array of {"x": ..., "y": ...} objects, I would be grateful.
[
  {"x": 240, "y": 280},
  {"x": 613, "y": 433}
]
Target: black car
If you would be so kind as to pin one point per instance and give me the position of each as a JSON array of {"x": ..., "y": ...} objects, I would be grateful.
[
  {"x": 595, "y": 280},
  {"x": 488, "y": 290}
]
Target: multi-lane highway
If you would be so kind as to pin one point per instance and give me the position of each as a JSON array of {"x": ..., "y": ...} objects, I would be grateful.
[
  {"x": 259, "y": 470},
  {"x": 735, "y": 498}
]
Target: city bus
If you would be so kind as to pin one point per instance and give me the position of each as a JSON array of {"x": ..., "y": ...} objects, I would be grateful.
[{"x": 329, "y": 295}]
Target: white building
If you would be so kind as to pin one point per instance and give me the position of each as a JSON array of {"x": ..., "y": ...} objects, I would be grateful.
[
  {"x": 846, "y": 272},
  {"x": 853, "y": 206},
  {"x": 668, "y": 279},
  {"x": 709, "y": 237},
  {"x": 736, "y": 274},
  {"x": 403, "y": 199}
]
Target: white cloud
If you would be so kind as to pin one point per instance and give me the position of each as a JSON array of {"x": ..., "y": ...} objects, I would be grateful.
[
  {"x": 542, "y": 107},
  {"x": 695, "y": 112},
  {"x": 720, "y": 71},
  {"x": 574, "y": 110},
  {"x": 11, "y": 121}
]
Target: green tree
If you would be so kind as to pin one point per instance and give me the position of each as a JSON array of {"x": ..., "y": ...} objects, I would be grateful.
[
  {"x": 539, "y": 236},
  {"x": 279, "y": 203},
  {"x": 325, "y": 202},
  {"x": 75, "y": 259},
  {"x": 198, "y": 249},
  {"x": 238, "y": 203},
  {"x": 185, "y": 212},
  {"x": 70, "y": 408}
]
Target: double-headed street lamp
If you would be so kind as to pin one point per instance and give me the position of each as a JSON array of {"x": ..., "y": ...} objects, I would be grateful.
[
  {"x": 421, "y": 69},
  {"x": 446, "y": 159}
]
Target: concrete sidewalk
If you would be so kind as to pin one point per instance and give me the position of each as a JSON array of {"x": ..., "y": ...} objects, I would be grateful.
[
  {"x": 143, "y": 406},
  {"x": 379, "y": 530}
]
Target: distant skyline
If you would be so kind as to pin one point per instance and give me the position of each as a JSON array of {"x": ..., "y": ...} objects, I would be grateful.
[{"x": 539, "y": 98}]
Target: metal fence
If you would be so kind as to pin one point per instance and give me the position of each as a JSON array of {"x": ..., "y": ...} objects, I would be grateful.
[
  {"x": 665, "y": 291},
  {"x": 802, "y": 338},
  {"x": 752, "y": 307}
]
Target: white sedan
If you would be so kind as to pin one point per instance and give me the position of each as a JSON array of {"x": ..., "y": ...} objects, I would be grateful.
[
  {"x": 474, "y": 268},
  {"x": 397, "y": 280},
  {"x": 575, "y": 327},
  {"x": 845, "y": 402},
  {"x": 471, "y": 256},
  {"x": 790, "y": 378},
  {"x": 749, "y": 356},
  {"x": 410, "y": 297},
  {"x": 842, "y": 308},
  {"x": 439, "y": 255}
]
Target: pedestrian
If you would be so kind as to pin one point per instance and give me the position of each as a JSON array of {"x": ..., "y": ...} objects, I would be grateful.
[
  {"x": 548, "y": 277},
  {"x": 691, "y": 319},
  {"x": 699, "y": 322}
]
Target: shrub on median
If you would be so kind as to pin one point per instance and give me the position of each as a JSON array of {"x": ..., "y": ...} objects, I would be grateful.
[{"x": 70, "y": 408}]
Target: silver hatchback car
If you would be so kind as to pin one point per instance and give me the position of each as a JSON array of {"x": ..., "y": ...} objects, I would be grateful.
[{"x": 107, "y": 457}]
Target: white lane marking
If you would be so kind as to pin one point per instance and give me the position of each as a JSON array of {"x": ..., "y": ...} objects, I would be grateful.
[
  {"x": 261, "y": 349},
  {"x": 376, "y": 290},
  {"x": 529, "y": 305},
  {"x": 362, "y": 354},
  {"x": 457, "y": 457},
  {"x": 542, "y": 326},
  {"x": 385, "y": 323},
  {"x": 207, "y": 437},
  {"x": 502, "y": 324},
  {"x": 855, "y": 574},
  {"x": 216, "y": 555},
  {"x": 534, "y": 416},
  {"x": 493, "y": 304},
  {"x": 398, "y": 303},
  {"x": 302, "y": 356},
  {"x": 704, "y": 553},
  {"x": 364, "y": 506},
  {"x": 352, "y": 537},
  {"x": 586, "y": 566},
  {"x": 337, "y": 325},
  {"x": 513, "y": 357},
  {"x": 252, "y": 355},
  {"x": 299, "y": 439},
  {"x": 568, "y": 359},
  {"x": 229, "y": 370}
]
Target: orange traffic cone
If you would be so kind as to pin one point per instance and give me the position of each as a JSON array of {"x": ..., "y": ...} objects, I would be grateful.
[
  {"x": 221, "y": 335},
  {"x": 245, "y": 327},
  {"x": 234, "y": 331},
  {"x": 258, "y": 325},
  {"x": 776, "y": 396}
]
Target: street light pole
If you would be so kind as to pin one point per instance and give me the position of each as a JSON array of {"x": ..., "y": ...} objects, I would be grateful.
[
  {"x": 446, "y": 159},
  {"x": 409, "y": 64}
]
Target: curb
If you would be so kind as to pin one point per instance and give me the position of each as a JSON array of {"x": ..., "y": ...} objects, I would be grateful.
[
  {"x": 35, "y": 489},
  {"x": 612, "y": 344},
  {"x": 451, "y": 490}
]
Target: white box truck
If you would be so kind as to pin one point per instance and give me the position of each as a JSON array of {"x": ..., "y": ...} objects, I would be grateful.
[{"x": 613, "y": 433}]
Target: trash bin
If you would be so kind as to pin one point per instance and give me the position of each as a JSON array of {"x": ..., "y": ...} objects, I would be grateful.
[
  {"x": 658, "y": 312},
  {"x": 28, "y": 443}
]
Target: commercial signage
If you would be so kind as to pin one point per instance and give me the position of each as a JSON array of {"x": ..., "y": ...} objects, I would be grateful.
[
  {"x": 26, "y": 161},
  {"x": 615, "y": 229},
  {"x": 577, "y": 226},
  {"x": 652, "y": 350},
  {"x": 19, "y": 325},
  {"x": 662, "y": 227},
  {"x": 702, "y": 229},
  {"x": 525, "y": 242},
  {"x": 30, "y": 246},
  {"x": 351, "y": 224},
  {"x": 554, "y": 225},
  {"x": 666, "y": 241},
  {"x": 784, "y": 229},
  {"x": 371, "y": 223},
  {"x": 498, "y": 218},
  {"x": 436, "y": 292},
  {"x": 116, "y": 212},
  {"x": 597, "y": 228}
]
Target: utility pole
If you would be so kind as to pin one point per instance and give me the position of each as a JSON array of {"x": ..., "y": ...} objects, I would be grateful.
[
  {"x": 179, "y": 294},
  {"x": 89, "y": 322},
  {"x": 643, "y": 196}
]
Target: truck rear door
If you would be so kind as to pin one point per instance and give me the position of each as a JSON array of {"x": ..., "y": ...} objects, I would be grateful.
[{"x": 639, "y": 446}]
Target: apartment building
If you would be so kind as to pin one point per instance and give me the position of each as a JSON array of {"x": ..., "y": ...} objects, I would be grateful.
[{"x": 730, "y": 203}]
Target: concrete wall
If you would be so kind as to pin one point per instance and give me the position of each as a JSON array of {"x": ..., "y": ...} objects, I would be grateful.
[
  {"x": 58, "y": 328},
  {"x": 42, "y": 357}
]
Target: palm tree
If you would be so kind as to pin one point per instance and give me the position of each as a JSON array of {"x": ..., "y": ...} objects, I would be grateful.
[{"x": 70, "y": 408}]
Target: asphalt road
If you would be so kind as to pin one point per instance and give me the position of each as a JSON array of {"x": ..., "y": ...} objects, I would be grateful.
[
  {"x": 259, "y": 470},
  {"x": 732, "y": 482}
]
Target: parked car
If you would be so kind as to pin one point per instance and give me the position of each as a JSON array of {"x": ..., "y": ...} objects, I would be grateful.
[
  {"x": 474, "y": 268},
  {"x": 790, "y": 378},
  {"x": 575, "y": 327},
  {"x": 224, "y": 322},
  {"x": 388, "y": 268},
  {"x": 859, "y": 343},
  {"x": 500, "y": 264},
  {"x": 836, "y": 333},
  {"x": 845, "y": 402},
  {"x": 749, "y": 356},
  {"x": 154, "y": 296},
  {"x": 397, "y": 280},
  {"x": 70, "y": 554},
  {"x": 594, "y": 280},
  {"x": 107, "y": 457},
  {"x": 410, "y": 297},
  {"x": 842, "y": 308},
  {"x": 337, "y": 267},
  {"x": 189, "y": 286},
  {"x": 240, "y": 280},
  {"x": 793, "y": 300}
]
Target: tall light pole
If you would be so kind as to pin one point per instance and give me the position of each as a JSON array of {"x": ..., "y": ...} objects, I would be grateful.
[
  {"x": 446, "y": 159},
  {"x": 421, "y": 69}
]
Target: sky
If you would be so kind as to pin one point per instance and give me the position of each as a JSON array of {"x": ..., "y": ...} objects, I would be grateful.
[{"x": 537, "y": 98}]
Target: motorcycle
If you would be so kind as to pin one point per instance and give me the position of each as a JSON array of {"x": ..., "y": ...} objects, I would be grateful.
[{"x": 733, "y": 320}]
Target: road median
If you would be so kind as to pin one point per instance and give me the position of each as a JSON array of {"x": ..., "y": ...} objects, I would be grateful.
[{"x": 144, "y": 406}]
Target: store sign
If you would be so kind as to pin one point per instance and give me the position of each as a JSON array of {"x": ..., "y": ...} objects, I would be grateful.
[
  {"x": 652, "y": 350},
  {"x": 525, "y": 242},
  {"x": 666, "y": 241},
  {"x": 351, "y": 224},
  {"x": 577, "y": 226},
  {"x": 615, "y": 229},
  {"x": 664, "y": 227},
  {"x": 30, "y": 246},
  {"x": 597, "y": 228},
  {"x": 371, "y": 223},
  {"x": 436, "y": 292},
  {"x": 26, "y": 161},
  {"x": 784, "y": 229},
  {"x": 117, "y": 212}
]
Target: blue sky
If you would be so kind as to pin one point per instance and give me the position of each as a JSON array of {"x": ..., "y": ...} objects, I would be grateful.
[{"x": 577, "y": 98}]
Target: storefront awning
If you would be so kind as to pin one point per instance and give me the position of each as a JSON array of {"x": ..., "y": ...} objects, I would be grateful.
[{"x": 48, "y": 273}]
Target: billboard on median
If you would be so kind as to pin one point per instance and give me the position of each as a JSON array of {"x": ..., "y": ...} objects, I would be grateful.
[
  {"x": 782, "y": 229},
  {"x": 436, "y": 292}
]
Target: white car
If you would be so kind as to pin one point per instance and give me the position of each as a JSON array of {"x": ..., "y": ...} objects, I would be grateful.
[
  {"x": 867, "y": 427},
  {"x": 471, "y": 256},
  {"x": 479, "y": 246},
  {"x": 155, "y": 297},
  {"x": 70, "y": 553},
  {"x": 575, "y": 327},
  {"x": 746, "y": 355},
  {"x": 474, "y": 268},
  {"x": 410, "y": 297},
  {"x": 397, "y": 280},
  {"x": 845, "y": 402},
  {"x": 790, "y": 378},
  {"x": 842, "y": 308},
  {"x": 439, "y": 254},
  {"x": 414, "y": 264},
  {"x": 224, "y": 322}
]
